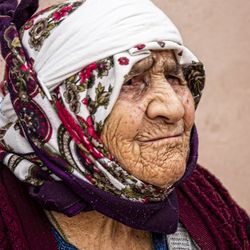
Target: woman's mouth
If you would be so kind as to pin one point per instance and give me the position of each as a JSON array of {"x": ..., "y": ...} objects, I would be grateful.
[{"x": 169, "y": 138}]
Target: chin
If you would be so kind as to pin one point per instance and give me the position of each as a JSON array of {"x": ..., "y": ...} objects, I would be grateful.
[
  {"x": 161, "y": 171},
  {"x": 169, "y": 174}
]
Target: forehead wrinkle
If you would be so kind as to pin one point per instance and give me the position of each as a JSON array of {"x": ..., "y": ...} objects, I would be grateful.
[
  {"x": 174, "y": 68},
  {"x": 170, "y": 64},
  {"x": 141, "y": 66},
  {"x": 165, "y": 61}
]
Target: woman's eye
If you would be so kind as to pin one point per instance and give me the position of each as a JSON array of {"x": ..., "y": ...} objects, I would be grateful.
[
  {"x": 173, "y": 80},
  {"x": 129, "y": 82},
  {"x": 136, "y": 81}
]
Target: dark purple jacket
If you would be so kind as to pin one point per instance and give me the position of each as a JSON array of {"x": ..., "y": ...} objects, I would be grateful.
[{"x": 207, "y": 211}]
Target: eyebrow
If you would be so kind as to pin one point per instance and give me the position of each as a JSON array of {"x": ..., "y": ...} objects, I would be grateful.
[
  {"x": 172, "y": 67},
  {"x": 137, "y": 69}
]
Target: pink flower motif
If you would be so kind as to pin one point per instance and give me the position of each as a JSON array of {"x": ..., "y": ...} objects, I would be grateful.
[
  {"x": 22, "y": 52},
  {"x": 140, "y": 46},
  {"x": 66, "y": 9},
  {"x": 89, "y": 177},
  {"x": 97, "y": 154},
  {"x": 88, "y": 161},
  {"x": 2, "y": 87},
  {"x": 61, "y": 13},
  {"x": 85, "y": 101},
  {"x": 57, "y": 16},
  {"x": 24, "y": 68},
  {"x": 89, "y": 121},
  {"x": 123, "y": 60},
  {"x": 91, "y": 132},
  {"x": 86, "y": 73},
  {"x": 90, "y": 128},
  {"x": 97, "y": 170}
]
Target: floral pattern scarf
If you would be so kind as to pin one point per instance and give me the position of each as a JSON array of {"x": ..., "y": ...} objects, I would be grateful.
[{"x": 50, "y": 136}]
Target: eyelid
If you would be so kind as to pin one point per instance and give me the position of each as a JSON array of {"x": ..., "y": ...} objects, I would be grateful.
[
  {"x": 136, "y": 78},
  {"x": 129, "y": 78},
  {"x": 177, "y": 77},
  {"x": 128, "y": 82}
]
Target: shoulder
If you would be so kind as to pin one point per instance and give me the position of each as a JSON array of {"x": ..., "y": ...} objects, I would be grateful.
[
  {"x": 207, "y": 208},
  {"x": 9, "y": 223},
  {"x": 21, "y": 219}
]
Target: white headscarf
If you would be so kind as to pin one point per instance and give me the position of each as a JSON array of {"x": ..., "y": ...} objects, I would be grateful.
[
  {"x": 99, "y": 29},
  {"x": 81, "y": 53},
  {"x": 102, "y": 28}
]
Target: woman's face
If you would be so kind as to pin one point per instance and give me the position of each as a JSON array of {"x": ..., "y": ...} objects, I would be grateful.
[{"x": 149, "y": 128}]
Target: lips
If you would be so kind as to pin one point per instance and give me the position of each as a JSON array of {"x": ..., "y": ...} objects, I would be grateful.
[{"x": 160, "y": 138}]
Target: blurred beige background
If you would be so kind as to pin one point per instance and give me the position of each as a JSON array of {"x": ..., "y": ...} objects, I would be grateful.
[{"x": 218, "y": 33}]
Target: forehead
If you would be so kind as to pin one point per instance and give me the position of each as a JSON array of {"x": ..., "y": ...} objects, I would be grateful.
[
  {"x": 159, "y": 59},
  {"x": 163, "y": 55}
]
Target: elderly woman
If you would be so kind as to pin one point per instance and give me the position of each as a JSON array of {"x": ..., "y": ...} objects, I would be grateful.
[{"x": 97, "y": 123}]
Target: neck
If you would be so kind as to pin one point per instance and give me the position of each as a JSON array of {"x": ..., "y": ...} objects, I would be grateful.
[{"x": 94, "y": 229}]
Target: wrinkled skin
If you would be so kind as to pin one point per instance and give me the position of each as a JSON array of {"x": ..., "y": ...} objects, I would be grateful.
[{"x": 148, "y": 130}]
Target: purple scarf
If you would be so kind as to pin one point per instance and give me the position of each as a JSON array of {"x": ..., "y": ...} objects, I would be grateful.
[{"x": 159, "y": 217}]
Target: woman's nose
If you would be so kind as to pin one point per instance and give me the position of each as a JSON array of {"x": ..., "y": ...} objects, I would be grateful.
[{"x": 165, "y": 103}]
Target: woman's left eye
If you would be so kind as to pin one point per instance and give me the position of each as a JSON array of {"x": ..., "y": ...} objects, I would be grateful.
[{"x": 173, "y": 80}]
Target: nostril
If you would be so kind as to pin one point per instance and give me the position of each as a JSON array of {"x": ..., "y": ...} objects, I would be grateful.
[{"x": 165, "y": 118}]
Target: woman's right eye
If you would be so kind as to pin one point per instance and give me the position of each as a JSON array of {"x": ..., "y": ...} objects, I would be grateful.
[
  {"x": 129, "y": 82},
  {"x": 138, "y": 81}
]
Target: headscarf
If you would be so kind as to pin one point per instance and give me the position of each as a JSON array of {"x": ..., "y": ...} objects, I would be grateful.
[{"x": 64, "y": 70}]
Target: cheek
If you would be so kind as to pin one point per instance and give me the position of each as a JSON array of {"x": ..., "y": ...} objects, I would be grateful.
[
  {"x": 131, "y": 116},
  {"x": 124, "y": 121},
  {"x": 188, "y": 103},
  {"x": 189, "y": 107}
]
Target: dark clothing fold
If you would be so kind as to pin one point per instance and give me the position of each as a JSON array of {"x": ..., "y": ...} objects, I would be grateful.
[{"x": 207, "y": 211}]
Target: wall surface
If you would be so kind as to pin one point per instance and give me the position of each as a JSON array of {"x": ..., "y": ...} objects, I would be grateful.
[{"x": 218, "y": 33}]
